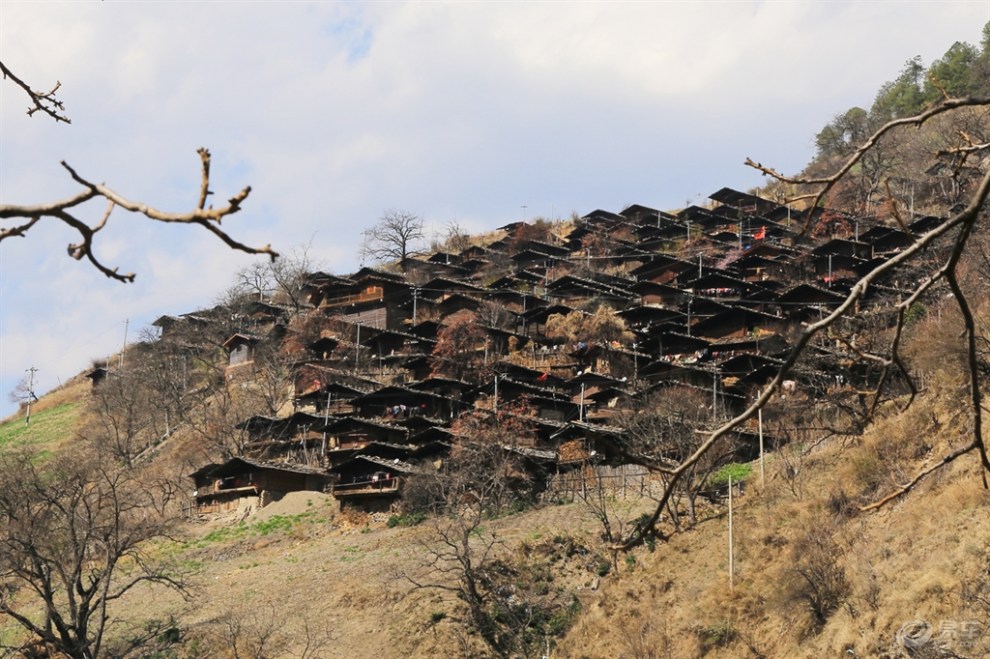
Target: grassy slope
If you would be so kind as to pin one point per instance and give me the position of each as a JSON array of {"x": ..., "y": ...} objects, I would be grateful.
[
  {"x": 925, "y": 556},
  {"x": 922, "y": 557},
  {"x": 53, "y": 419}
]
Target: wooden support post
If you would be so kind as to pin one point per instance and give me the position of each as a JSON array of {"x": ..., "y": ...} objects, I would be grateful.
[
  {"x": 763, "y": 469},
  {"x": 731, "y": 557}
]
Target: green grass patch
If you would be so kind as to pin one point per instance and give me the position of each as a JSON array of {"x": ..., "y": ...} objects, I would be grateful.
[
  {"x": 737, "y": 471},
  {"x": 274, "y": 524},
  {"x": 47, "y": 428},
  {"x": 409, "y": 519},
  {"x": 352, "y": 553}
]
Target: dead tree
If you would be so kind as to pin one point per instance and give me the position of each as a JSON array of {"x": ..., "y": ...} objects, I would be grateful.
[
  {"x": 394, "y": 237},
  {"x": 17, "y": 219},
  {"x": 73, "y": 534},
  {"x": 954, "y": 233}
]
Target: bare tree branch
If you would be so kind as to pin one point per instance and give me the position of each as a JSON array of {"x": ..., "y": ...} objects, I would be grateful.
[
  {"x": 207, "y": 217},
  {"x": 42, "y": 101},
  {"x": 963, "y": 222},
  {"x": 825, "y": 184},
  {"x": 394, "y": 237}
]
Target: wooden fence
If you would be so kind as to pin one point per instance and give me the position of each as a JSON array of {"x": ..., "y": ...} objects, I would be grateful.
[{"x": 620, "y": 482}]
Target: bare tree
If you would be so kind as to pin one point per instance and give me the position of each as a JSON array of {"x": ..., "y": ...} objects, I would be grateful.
[
  {"x": 508, "y": 603},
  {"x": 457, "y": 353},
  {"x": 123, "y": 423},
  {"x": 455, "y": 238},
  {"x": 22, "y": 392},
  {"x": 65, "y": 210},
  {"x": 394, "y": 237},
  {"x": 953, "y": 235},
  {"x": 665, "y": 429},
  {"x": 264, "y": 632},
  {"x": 73, "y": 539},
  {"x": 281, "y": 281}
]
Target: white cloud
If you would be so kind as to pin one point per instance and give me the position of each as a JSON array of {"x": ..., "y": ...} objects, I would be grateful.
[{"x": 334, "y": 112}]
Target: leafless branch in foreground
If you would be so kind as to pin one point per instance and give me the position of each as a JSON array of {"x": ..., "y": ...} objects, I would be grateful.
[
  {"x": 957, "y": 229},
  {"x": 825, "y": 184},
  {"x": 65, "y": 211},
  {"x": 41, "y": 101}
]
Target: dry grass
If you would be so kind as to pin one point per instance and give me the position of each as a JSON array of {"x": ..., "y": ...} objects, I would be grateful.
[{"x": 923, "y": 557}]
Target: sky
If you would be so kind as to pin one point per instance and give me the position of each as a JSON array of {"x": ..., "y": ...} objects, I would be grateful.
[{"x": 474, "y": 113}]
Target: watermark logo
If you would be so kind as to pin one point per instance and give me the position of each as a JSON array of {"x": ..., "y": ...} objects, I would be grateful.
[{"x": 916, "y": 634}]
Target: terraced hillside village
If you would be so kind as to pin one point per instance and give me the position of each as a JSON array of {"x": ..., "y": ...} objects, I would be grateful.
[{"x": 750, "y": 427}]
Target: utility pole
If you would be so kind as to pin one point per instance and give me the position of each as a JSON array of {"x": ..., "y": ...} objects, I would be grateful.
[
  {"x": 763, "y": 471},
  {"x": 30, "y": 394},
  {"x": 326, "y": 422},
  {"x": 124, "y": 347},
  {"x": 731, "y": 556},
  {"x": 714, "y": 392},
  {"x": 415, "y": 295},
  {"x": 357, "y": 348}
]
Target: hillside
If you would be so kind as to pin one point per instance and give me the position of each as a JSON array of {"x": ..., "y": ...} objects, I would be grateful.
[
  {"x": 526, "y": 444},
  {"x": 345, "y": 574}
]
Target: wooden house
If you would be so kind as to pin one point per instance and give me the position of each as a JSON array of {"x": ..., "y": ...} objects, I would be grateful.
[
  {"x": 641, "y": 317},
  {"x": 395, "y": 342},
  {"x": 446, "y": 387},
  {"x": 831, "y": 268},
  {"x": 574, "y": 291},
  {"x": 796, "y": 302},
  {"x": 652, "y": 293},
  {"x": 369, "y": 297},
  {"x": 535, "y": 320},
  {"x": 719, "y": 285},
  {"x": 394, "y": 402},
  {"x": 301, "y": 436},
  {"x": 529, "y": 258},
  {"x": 641, "y": 215},
  {"x": 330, "y": 398},
  {"x": 535, "y": 376},
  {"x": 242, "y": 483},
  {"x": 349, "y": 435},
  {"x": 370, "y": 482},
  {"x": 737, "y": 322},
  {"x": 664, "y": 269},
  {"x": 886, "y": 240},
  {"x": 843, "y": 247},
  {"x": 544, "y": 403},
  {"x": 240, "y": 349},
  {"x": 418, "y": 269},
  {"x": 743, "y": 201},
  {"x": 675, "y": 346},
  {"x": 601, "y": 218}
]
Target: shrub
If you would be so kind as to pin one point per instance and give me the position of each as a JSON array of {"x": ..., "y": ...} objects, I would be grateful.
[
  {"x": 718, "y": 635},
  {"x": 816, "y": 578},
  {"x": 408, "y": 519},
  {"x": 737, "y": 471}
]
